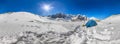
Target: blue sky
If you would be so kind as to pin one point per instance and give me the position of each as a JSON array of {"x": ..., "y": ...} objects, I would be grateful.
[{"x": 91, "y": 8}]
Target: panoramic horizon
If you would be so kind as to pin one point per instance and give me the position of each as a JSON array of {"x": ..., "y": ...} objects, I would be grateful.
[
  {"x": 59, "y": 21},
  {"x": 100, "y": 9}
]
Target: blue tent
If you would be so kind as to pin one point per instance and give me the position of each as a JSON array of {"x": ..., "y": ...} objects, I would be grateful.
[{"x": 91, "y": 23}]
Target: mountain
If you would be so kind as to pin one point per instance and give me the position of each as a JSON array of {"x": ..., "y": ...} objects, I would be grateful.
[
  {"x": 23, "y": 21},
  {"x": 65, "y": 17},
  {"x": 107, "y": 31},
  {"x": 28, "y": 28},
  {"x": 79, "y": 18},
  {"x": 113, "y": 19},
  {"x": 112, "y": 23}
]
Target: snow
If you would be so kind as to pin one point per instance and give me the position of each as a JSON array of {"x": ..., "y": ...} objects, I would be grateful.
[
  {"x": 28, "y": 28},
  {"x": 93, "y": 18},
  {"x": 24, "y": 21}
]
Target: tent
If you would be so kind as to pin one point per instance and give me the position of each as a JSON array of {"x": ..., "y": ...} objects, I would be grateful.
[{"x": 91, "y": 23}]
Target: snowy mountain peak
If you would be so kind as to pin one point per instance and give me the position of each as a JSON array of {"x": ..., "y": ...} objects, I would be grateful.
[
  {"x": 25, "y": 15},
  {"x": 93, "y": 18},
  {"x": 20, "y": 16},
  {"x": 113, "y": 19}
]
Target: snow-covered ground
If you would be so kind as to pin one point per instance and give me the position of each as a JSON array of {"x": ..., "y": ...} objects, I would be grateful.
[{"x": 27, "y": 28}]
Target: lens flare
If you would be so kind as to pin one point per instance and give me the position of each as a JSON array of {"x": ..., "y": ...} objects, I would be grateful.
[{"x": 47, "y": 7}]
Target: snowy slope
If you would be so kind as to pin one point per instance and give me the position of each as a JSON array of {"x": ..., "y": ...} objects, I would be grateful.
[
  {"x": 23, "y": 21},
  {"x": 15, "y": 21},
  {"x": 107, "y": 31},
  {"x": 113, "y": 19},
  {"x": 113, "y": 25},
  {"x": 27, "y": 28}
]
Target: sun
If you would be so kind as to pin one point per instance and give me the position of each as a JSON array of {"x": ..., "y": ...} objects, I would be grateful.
[{"x": 47, "y": 7}]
